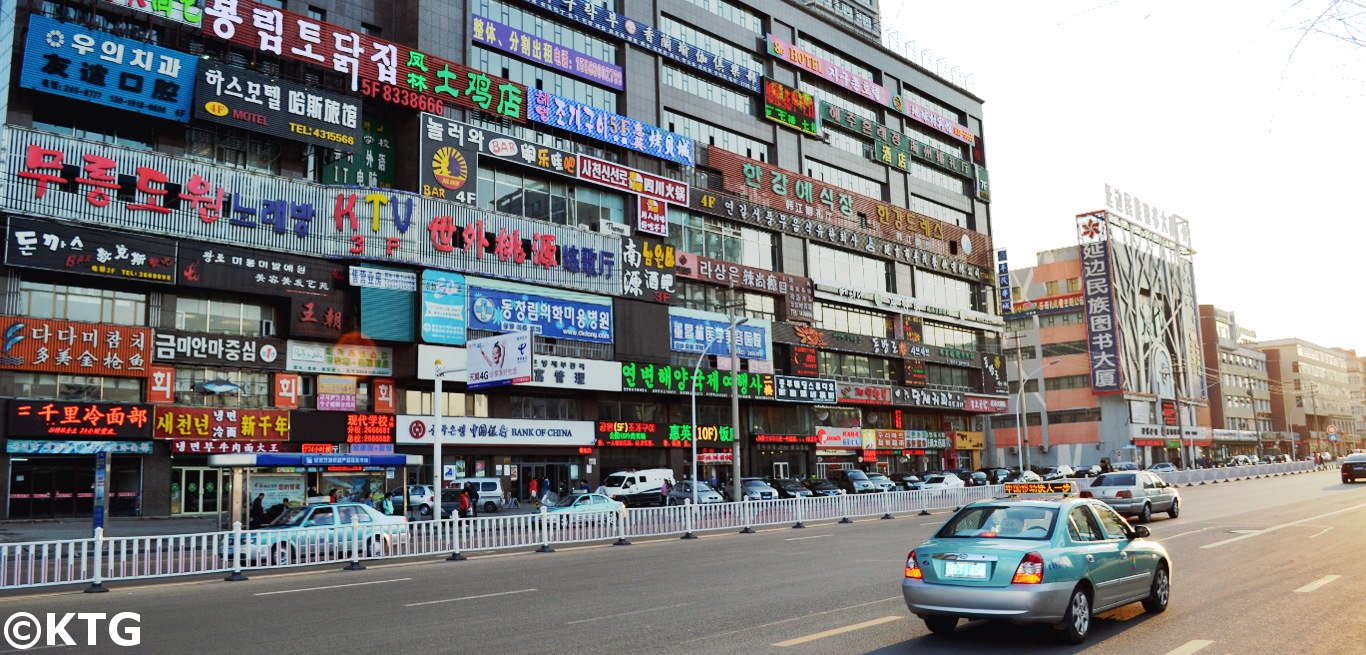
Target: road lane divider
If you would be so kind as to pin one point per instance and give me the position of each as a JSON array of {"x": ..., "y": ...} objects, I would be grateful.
[
  {"x": 814, "y": 536},
  {"x": 335, "y": 586},
  {"x": 621, "y": 614},
  {"x": 452, "y": 600},
  {"x": 797, "y": 641},
  {"x": 1195, "y": 645},
  {"x": 1313, "y": 586},
  {"x": 804, "y": 617},
  {"x": 1281, "y": 526}
]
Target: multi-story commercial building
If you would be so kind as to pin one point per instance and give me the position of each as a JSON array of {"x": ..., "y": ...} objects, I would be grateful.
[
  {"x": 268, "y": 226},
  {"x": 1239, "y": 390},
  {"x": 1310, "y": 394},
  {"x": 1355, "y": 438},
  {"x": 1105, "y": 337}
]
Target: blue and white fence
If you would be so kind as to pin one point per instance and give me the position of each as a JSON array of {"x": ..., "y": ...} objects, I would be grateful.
[{"x": 103, "y": 559}]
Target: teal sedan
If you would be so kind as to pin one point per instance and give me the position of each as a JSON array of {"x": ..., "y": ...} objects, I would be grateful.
[{"x": 1056, "y": 561}]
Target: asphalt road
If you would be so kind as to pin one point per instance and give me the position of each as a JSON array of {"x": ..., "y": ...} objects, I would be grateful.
[{"x": 1253, "y": 566}]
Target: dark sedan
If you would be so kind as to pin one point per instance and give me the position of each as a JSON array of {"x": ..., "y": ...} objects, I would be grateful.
[
  {"x": 823, "y": 487},
  {"x": 907, "y": 481},
  {"x": 789, "y": 488},
  {"x": 995, "y": 475},
  {"x": 1353, "y": 467},
  {"x": 1027, "y": 476}
]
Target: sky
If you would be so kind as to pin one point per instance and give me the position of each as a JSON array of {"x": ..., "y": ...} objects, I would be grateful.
[{"x": 1225, "y": 113}]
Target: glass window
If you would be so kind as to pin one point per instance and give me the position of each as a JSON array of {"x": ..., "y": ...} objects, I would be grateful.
[
  {"x": 415, "y": 401},
  {"x": 854, "y": 320},
  {"x": 937, "y": 211},
  {"x": 836, "y": 57},
  {"x": 61, "y": 116},
  {"x": 1111, "y": 523},
  {"x": 846, "y": 269},
  {"x": 82, "y": 388},
  {"x": 718, "y": 238},
  {"x": 853, "y": 366},
  {"x": 541, "y": 407},
  {"x": 1082, "y": 526},
  {"x": 734, "y": 13},
  {"x": 222, "y": 315},
  {"x": 699, "y": 39},
  {"x": 707, "y": 297},
  {"x": 572, "y": 37},
  {"x": 845, "y": 179},
  {"x": 705, "y": 88},
  {"x": 944, "y": 292},
  {"x": 69, "y": 303},
  {"x": 704, "y": 132},
  {"x": 231, "y": 147},
  {"x": 531, "y": 75},
  {"x": 255, "y": 389}
]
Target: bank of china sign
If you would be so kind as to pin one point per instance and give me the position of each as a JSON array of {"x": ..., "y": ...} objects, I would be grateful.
[
  {"x": 142, "y": 192},
  {"x": 493, "y": 431}
]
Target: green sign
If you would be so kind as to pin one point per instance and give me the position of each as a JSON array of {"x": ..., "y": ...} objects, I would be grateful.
[
  {"x": 791, "y": 107},
  {"x": 667, "y": 378},
  {"x": 888, "y": 143},
  {"x": 373, "y": 166},
  {"x": 715, "y": 433},
  {"x": 983, "y": 184}
]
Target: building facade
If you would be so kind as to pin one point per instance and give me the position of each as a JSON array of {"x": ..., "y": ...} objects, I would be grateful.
[
  {"x": 1311, "y": 394},
  {"x": 1239, "y": 387},
  {"x": 270, "y": 225}
]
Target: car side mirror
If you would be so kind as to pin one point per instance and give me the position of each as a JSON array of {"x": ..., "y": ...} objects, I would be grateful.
[{"x": 1141, "y": 532}]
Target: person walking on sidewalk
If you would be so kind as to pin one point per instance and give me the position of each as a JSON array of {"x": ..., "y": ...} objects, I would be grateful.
[
  {"x": 531, "y": 488},
  {"x": 258, "y": 510}
]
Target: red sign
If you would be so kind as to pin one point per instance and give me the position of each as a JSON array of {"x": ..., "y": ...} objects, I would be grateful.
[
  {"x": 38, "y": 418},
  {"x": 806, "y": 361},
  {"x": 1169, "y": 412},
  {"x": 635, "y": 181},
  {"x": 865, "y": 394},
  {"x": 161, "y": 385},
  {"x": 653, "y": 217},
  {"x": 201, "y": 423},
  {"x": 370, "y": 428},
  {"x": 220, "y": 447},
  {"x": 318, "y": 448},
  {"x": 318, "y": 317},
  {"x": 985, "y": 405},
  {"x": 51, "y": 346},
  {"x": 377, "y": 68},
  {"x": 384, "y": 396},
  {"x": 714, "y": 458},
  {"x": 287, "y": 390}
]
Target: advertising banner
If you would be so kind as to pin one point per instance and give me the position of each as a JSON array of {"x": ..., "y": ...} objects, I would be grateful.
[
  {"x": 443, "y": 307},
  {"x": 286, "y": 390},
  {"x": 307, "y": 357},
  {"x": 797, "y": 292},
  {"x": 631, "y": 180},
  {"x": 283, "y": 109},
  {"x": 605, "y": 126},
  {"x": 932, "y": 398},
  {"x": 51, "y": 346},
  {"x": 647, "y": 269},
  {"x": 638, "y": 434},
  {"x": 667, "y": 378},
  {"x": 493, "y": 432},
  {"x": 213, "y": 266},
  {"x": 833, "y": 73},
  {"x": 336, "y": 393},
  {"x": 448, "y": 161},
  {"x": 993, "y": 374},
  {"x": 337, "y": 427},
  {"x": 372, "y": 166},
  {"x": 69, "y": 60},
  {"x": 75, "y": 249},
  {"x": 1102, "y": 328},
  {"x": 38, "y": 418},
  {"x": 858, "y": 393},
  {"x": 216, "y": 350},
  {"x": 439, "y": 132},
  {"x": 52, "y": 447},
  {"x": 828, "y": 436},
  {"x": 555, "y": 372},
  {"x": 695, "y": 332},
  {"x": 545, "y": 52},
  {"x": 806, "y": 361},
  {"x": 791, "y": 107},
  {"x": 383, "y": 396},
  {"x": 278, "y": 488},
  {"x": 185, "y": 12},
  {"x": 499, "y": 360},
  {"x": 498, "y": 306},
  {"x": 1003, "y": 286},
  {"x": 805, "y": 390},
  {"x": 365, "y": 277},
  {"x": 221, "y": 446},
  {"x": 652, "y": 216},
  {"x": 985, "y": 405},
  {"x": 199, "y": 423}
]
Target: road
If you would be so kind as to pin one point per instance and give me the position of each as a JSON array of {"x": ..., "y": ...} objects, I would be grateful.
[{"x": 1253, "y": 562}]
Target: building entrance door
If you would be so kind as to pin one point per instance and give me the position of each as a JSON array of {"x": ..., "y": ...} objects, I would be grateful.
[{"x": 196, "y": 490}]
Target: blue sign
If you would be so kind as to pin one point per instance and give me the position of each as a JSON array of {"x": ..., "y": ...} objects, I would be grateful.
[
  {"x": 306, "y": 459},
  {"x": 101, "y": 487},
  {"x": 507, "y": 308},
  {"x": 605, "y": 126},
  {"x": 1003, "y": 282},
  {"x": 691, "y": 335},
  {"x": 75, "y": 62},
  {"x": 647, "y": 37},
  {"x": 443, "y": 307}
]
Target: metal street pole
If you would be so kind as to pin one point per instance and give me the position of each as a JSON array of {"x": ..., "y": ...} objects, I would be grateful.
[
  {"x": 1019, "y": 407},
  {"x": 735, "y": 411},
  {"x": 436, "y": 441},
  {"x": 693, "y": 395}
]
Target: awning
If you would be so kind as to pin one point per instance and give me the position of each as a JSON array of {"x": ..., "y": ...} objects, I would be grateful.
[{"x": 312, "y": 459}]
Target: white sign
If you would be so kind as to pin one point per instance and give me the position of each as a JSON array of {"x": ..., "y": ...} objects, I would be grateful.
[
  {"x": 379, "y": 278},
  {"x": 499, "y": 360},
  {"x": 452, "y": 361},
  {"x": 574, "y": 373},
  {"x": 307, "y": 357},
  {"x": 464, "y": 430},
  {"x": 833, "y": 437}
]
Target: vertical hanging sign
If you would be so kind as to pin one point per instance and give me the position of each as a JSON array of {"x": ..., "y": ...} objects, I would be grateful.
[{"x": 1097, "y": 284}]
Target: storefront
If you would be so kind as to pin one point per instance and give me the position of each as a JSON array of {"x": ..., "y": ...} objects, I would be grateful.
[
  {"x": 281, "y": 476},
  {"x": 516, "y": 449},
  {"x": 194, "y": 434},
  {"x": 784, "y": 455}
]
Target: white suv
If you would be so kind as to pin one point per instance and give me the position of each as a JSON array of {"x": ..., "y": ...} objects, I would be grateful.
[{"x": 421, "y": 497}]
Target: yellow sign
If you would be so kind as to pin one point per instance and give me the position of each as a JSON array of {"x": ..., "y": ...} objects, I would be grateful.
[
  {"x": 1054, "y": 487},
  {"x": 969, "y": 440}
]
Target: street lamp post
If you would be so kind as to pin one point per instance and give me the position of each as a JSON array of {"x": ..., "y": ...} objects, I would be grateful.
[
  {"x": 437, "y": 421},
  {"x": 735, "y": 322},
  {"x": 1019, "y": 405}
]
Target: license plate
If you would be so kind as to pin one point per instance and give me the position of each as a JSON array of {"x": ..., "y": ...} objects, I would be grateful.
[{"x": 971, "y": 570}]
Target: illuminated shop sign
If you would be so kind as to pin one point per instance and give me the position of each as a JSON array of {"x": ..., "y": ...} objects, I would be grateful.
[
  {"x": 51, "y": 346},
  {"x": 667, "y": 378},
  {"x": 36, "y": 418},
  {"x": 635, "y": 434},
  {"x": 218, "y": 351},
  {"x": 546, "y": 53},
  {"x": 186, "y": 12},
  {"x": 283, "y": 109},
  {"x": 601, "y": 125},
  {"x": 1102, "y": 328},
  {"x": 647, "y": 269},
  {"x": 834, "y": 73},
  {"x": 200, "y": 423},
  {"x": 796, "y": 292},
  {"x": 76, "y": 249},
  {"x": 791, "y": 107}
]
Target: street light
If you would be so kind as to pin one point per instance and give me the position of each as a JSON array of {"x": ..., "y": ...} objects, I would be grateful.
[
  {"x": 437, "y": 422},
  {"x": 1019, "y": 405},
  {"x": 735, "y": 321}
]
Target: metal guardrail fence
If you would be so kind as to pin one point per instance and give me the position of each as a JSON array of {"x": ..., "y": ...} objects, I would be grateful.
[{"x": 101, "y": 559}]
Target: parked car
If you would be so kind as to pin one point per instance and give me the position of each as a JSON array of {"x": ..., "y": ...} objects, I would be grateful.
[
  {"x": 882, "y": 482},
  {"x": 995, "y": 474},
  {"x": 1089, "y": 472},
  {"x": 789, "y": 488},
  {"x": 320, "y": 531},
  {"x": 943, "y": 481},
  {"x": 580, "y": 507},
  {"x": 1060, "y": 472},
  {"x": 758, "y": 489},
  {"x": 1124, "y": 466},
  {"x": 421, "y": 497},
  {"x": 907, "y": 481},
  {"x": 1136, "y": 493},
  {"x": 1027, "y": 476},
  {"x": 682, "y": 491},
  {"x": 1163, "y": 467},
  {"x": 638, "y": 487},
  {"x": 1239, "y": 460},
  {"x": 978, "y": 479},
  {"x": 823, "y": 487},
  {"x": 490, "y": 491},
  {"x": 1353, "y": 467},
  {"x": 852, "y": 481}
]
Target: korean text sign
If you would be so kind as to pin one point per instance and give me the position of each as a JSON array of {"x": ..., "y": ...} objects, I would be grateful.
[
  {"x": 36, "y": 344},
  {"x": 201, "y": 423},
  {"x": 280, "y": 108},
  {"x": 509, "y": 307},
  {"x": 605, "y": 126},
  {"x": 77, "y": 249},
  {"x": 69, "y": 60}
]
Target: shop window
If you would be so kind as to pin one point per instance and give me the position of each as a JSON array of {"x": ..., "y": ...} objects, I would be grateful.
[
  {"x": 82, "y": 388},
  {"x": 256, "y": 390},
  {"x": 541, "y": 407},
  {"x": 457, "y": 404},
  {"x": 221, "y": 315},
  {"x": 70, "y": 303}
]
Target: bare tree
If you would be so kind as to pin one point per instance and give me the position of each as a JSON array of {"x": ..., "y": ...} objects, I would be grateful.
[{"x": 1344, "y": 20}]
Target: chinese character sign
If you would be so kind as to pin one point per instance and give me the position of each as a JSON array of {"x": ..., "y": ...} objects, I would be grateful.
[
  {"x": 280, "y": 108},
  {"x": 76, "y": 249},
  {"x": 647, "y": 269},
  {"x": 791, "y": 107},
  {"x": 200, "y": 423},
  {"x": 40, "y": 418},
  {"x": 605, "y": 126},
  {"x": 690, "y": 334},
  {"x": 1102, "y": 329},
  {"x": 36, "y": 344},
  {"x": 546, "y": 53},
  {"x": 69, "y": 60}
]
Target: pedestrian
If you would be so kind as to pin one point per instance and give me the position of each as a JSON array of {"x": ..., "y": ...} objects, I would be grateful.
[
  {"x": 587, "y": 488},
  {"x": 463, "y": 506},
  {"x": 531, "y": 488},
  {"x": 335, "y": 492},
  {"x": 258, "y": 510},
  {"x": 387, "y": 504},
  {"x": 663, "y": 491},
  {"x": 511, "y": 501},
  {"x": 474, "y": 499}
]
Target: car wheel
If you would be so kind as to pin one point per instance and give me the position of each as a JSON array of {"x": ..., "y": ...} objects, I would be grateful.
[
  {"x": 1076, "y": 623},
  {"x": 377, "y": 547},
  {"x": 425, "y": 510},
  {"x": 1175, "y": 511},
  {"x": 1160, "y": 592},
  {"x": 490, "y": 507},
  {"x": 284, "y": 555},
  {"x": 941, "y": 625},
  {"x": 1147, "y": 513}
]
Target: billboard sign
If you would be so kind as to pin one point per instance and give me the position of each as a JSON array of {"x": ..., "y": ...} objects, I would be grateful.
[{"x": 499, "y": 360}]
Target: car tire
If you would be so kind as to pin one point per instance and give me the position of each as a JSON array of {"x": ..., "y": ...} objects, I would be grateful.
[
  {"x": 284, "y": 555},
  {"x": 1147, "y": 513},
  {"x": 425, "y": 510},
  {"x": 490, "y": 507},
  {"x": 1076, "y": 622},
  {"x": 941, "y": 625},
  {"x": 378, "y": 547},
  {"x": 1160, "y": 591},
  {"x": 1175, "y": 511}
]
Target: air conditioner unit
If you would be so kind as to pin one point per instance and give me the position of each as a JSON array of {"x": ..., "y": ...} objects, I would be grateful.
[
  {"x": 267, "y": 328},
  {"x": 1014, "y": 450},
  {"x": 1043, "y": 448}
]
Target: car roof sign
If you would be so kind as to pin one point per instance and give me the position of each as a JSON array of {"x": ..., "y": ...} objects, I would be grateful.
[{"x": 1053, "y": 489}]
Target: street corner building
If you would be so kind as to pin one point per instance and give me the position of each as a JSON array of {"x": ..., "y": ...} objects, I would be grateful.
[{"x": 517, "y": 238}]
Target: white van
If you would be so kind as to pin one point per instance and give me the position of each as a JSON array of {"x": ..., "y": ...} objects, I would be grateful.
[
  {"x": 490, "y": 491},
  {"x": 637, "y": 487}
]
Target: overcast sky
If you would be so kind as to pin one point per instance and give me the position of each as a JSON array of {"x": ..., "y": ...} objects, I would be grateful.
[{"x": 1207, "y": 109}]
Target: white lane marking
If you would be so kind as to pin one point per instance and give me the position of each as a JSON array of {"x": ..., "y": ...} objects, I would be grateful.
[
  {"x": 795, "y": 618},
  {"x": 837, "y": 631},
  {"x": 1316, "y": 584},
  {"x": 1320, "y": 532},
  {"x": 452, "y": 600},
  {"x": 1282, "y": 525},
  {"x": 1190, "y": 647},
  {"x": 621, "y": 614},
  {"x": 814, "y": 536},
  {"x": 25, "y": 650},
  {"x": 1184, "y": 534},
  {"x": 335, "y": 586}
]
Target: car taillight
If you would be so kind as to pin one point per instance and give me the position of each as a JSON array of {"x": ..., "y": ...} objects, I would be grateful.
[
  {"x": 1124, "y": 494},
  {"x": 913, "y": 568},
  {"x": 1030, "y": 570},
  {"x": 1086, "y": 494}
]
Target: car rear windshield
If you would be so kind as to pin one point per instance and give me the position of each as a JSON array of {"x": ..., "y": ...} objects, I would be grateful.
[
  {"x": 1115, "y": 480},
  {"x": 1355, "y": 457},
  {"x": 1000, "y": 522}
]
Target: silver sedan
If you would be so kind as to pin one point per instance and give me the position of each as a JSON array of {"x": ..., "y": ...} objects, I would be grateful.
[{"x": 1135, "y": 493}]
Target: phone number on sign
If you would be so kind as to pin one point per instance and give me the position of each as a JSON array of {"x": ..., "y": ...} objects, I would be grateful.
[{"x": 391, "y": 93}]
